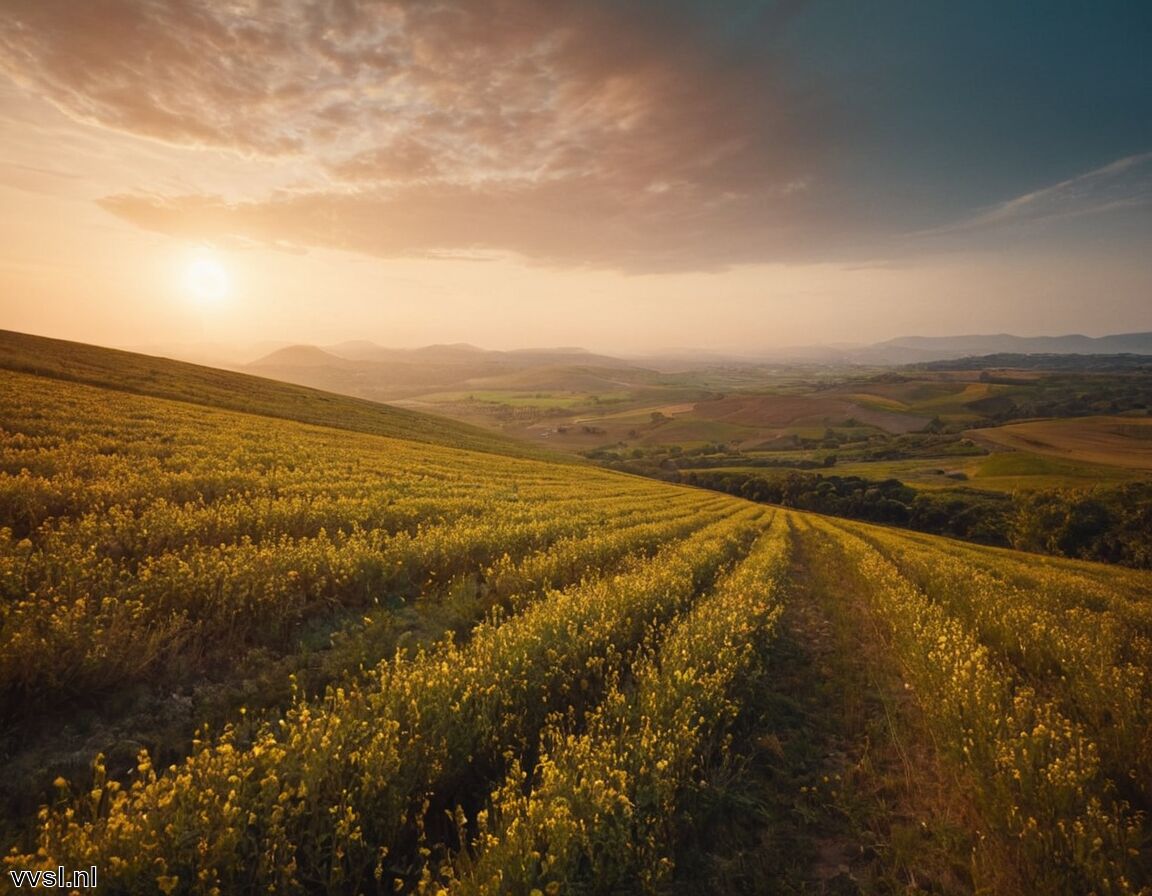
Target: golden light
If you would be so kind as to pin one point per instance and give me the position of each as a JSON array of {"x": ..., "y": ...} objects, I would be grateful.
[{"x": 206, "y": 280}]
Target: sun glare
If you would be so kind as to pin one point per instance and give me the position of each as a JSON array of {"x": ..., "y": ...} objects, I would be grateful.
[{"x": 206, "y": 280}]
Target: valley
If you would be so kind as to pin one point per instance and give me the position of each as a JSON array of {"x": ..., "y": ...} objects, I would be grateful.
[{"x": 970, "y": 447}]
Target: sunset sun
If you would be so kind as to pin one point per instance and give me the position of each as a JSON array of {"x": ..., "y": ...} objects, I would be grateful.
[{"x": 206, "y": 280}]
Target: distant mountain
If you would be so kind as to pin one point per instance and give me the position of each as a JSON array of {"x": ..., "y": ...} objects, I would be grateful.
[
  {"x": 356, "y": 350},
  {"x": 466, "y": 353},
  {"x": 367, "y": 370},
  {"x": 1042, "y": 361},
  {"x": 301, "y": 356},
  {"x": 555, "y": 357},
  {"x": 450, "y": 350},
  {"x": 919, "y": 349},
  {"x": 909, "y": 349}
]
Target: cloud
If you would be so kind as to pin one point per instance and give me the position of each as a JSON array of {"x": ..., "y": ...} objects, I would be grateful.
[
  {"x": 1124, "y": 183},
  {"x": 605, "y": 133},
  {"x": 565, "y": 222}
]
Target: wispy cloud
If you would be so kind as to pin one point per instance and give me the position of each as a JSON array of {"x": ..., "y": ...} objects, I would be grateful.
[
  {"x": 1124, "y": 183},
  {"x": 564, "y": 222}
]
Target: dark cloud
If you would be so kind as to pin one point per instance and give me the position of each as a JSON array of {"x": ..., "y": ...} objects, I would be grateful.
[{"x": 607, "y": 133}]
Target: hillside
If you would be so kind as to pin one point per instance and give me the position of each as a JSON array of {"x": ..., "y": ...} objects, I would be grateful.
[
  {"x": 1124, "y": 442},
  {"x": 1131, "y": 343},
  {"x": 366, "y": 370},
  {"x": 314, "y": 658},
  {"x": 1006, "y": 362},
  {"x": 302, "y": 356},
  {"x": 181, "y": 381}
]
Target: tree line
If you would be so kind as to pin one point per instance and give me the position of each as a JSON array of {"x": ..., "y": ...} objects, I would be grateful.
[{"x": 1109, "y": 524}]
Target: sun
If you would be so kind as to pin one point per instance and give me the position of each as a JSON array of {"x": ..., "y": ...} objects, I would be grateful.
[{"x": 206, "y": 280}]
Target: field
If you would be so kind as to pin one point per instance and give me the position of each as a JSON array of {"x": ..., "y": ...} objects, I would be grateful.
[
  {"x": 998, "y": 429},
  {"x": 1002, "y": 471},
  {"x": 247, "y": 647},
  {"x": 1111, "y": 441},
  {"x": 1051, "y": 460}
]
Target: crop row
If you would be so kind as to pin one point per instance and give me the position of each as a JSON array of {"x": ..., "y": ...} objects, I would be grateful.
[
  {"x": 1036, "y": 770},
  {"x": 1059, "y": 583},
  {"x": 338, "y": 792},
  {"x": 78, "y": 636},
  {"x": 140, "y": 536},
  {"x": 67, "y": 451},
  {"x": 1088, "y": 659},
  {"x": 605, "y": 806}
]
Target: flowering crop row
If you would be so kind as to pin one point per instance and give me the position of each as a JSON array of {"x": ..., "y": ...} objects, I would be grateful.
[
  {"x": 1089, "y": 656},
  {"x": 135, "y": 532},
  {"x": 1060, "y": 583},
  {"x": 1037, "y": 770},
  {"x": 339, "y": 790},
  {"x": 602, "y": 809},
  {"x": 606, "y": 633}
]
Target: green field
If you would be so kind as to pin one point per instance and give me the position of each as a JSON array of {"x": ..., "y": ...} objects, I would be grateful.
[
  {"x": 1120, "y": 442},
  {"x": 256, "y": 638},
  {"x": 566, "y": 400},
  {"x": 1008, "y": 471},
  {"x": 1001, "y": 471}
]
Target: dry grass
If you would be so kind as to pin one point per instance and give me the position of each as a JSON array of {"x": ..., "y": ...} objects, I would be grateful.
[{"x": 1114, "y": 441}]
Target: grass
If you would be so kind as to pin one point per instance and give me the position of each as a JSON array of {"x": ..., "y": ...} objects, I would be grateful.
[
  {"x": 879, "y": 402},
  {"x": 1001, "y": 471},
  {"x": 206, "y": 386},
  {"x": 924, "y": 473},
  {"x": 1011, "y": 470},
  {"x": 535, "y": 399},
  {"x": 1111, "y": 441}
]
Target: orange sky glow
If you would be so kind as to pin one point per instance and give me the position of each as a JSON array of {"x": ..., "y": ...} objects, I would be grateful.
[{"x": 508, "y": 174}]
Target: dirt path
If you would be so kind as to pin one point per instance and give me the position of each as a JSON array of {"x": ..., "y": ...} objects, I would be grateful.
[{"x": 837, "y": 791}]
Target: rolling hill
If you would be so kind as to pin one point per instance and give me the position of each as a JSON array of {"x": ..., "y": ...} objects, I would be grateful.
[
  {"x": 912, "y": 349},
  {"x": 927, "y": 349},
  {"x": 1130, "y": 343},
  {"x": 209, "y": 386},
  {"x": 367, "y": 370},
  {"x": 1108, "y": 363},
  {"x": 259, "y": 638}
]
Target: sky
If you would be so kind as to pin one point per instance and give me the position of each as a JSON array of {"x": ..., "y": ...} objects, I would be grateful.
[{"x": 625, "y": 175}]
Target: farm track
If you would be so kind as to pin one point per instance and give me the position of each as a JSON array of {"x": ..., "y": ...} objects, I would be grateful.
[{"x": 838, "y": 788}]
